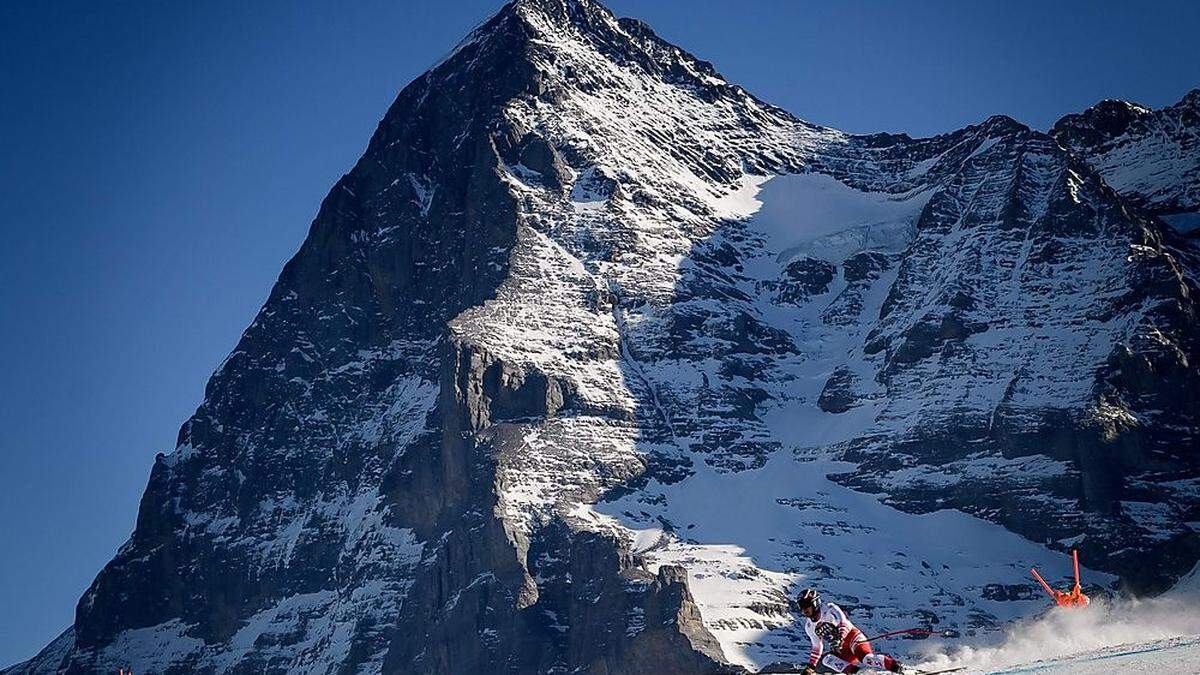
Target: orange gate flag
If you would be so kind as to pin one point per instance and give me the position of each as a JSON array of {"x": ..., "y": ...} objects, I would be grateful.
[{"x": 1075, "y": 598}]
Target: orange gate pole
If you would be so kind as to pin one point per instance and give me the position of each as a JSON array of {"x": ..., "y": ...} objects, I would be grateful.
[{"x": 1049, "y": 591}]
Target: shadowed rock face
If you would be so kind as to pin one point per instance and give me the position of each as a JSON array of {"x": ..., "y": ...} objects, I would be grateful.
[
  {"x": 936, "y": 345},
  {"x": 1152, "y": 157},
  {"x": 460, "y": 435}
]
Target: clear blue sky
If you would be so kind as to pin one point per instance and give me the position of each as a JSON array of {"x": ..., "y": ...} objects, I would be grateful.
[{"x": 160, "y": 161}]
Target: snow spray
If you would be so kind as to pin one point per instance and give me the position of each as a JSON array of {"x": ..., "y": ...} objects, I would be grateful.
[{"x": 1064, "y": 632}]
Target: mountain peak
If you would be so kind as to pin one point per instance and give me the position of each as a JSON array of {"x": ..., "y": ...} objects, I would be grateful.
[
  {"x": 562, "y": 12},
  {"x": 542, "y": 31},
  {"x": 1108, "y": 118},
  {"x": 1003, "y": 124},
  {"x": 1151, "y": 156}
]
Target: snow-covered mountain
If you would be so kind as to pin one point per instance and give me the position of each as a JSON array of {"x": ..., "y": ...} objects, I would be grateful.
[
  {"x": 594, "y": 358},
  {"x": 1152, "y": 157}
]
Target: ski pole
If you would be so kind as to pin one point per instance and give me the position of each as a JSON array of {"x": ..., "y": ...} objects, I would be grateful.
[{"x": 911, "y": 631}]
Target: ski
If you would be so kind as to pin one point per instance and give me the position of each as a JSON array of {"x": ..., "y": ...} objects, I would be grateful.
[{"x": 944, "y": 671}]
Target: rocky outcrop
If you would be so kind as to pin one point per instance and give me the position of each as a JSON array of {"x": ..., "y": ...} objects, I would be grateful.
[
  {"x": 805, "y": 278},
  {"x": 491, "y": 596},
  {"x": 837, "y": 396},
  {"x": 1152, "y": 157}
]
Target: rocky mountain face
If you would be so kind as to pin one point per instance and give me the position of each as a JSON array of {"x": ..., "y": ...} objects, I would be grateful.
[
  {"x": 1152, "y": 157},
  {"x": 593, "y": 359}
]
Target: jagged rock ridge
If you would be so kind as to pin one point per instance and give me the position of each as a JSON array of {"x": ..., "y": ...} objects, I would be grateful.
[
  {"x": 575, "y": 366},
  {"x": 1152, "y": 157}
]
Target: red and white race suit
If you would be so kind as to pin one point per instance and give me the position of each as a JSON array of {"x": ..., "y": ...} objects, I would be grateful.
[{"x": 847, "y": 648}]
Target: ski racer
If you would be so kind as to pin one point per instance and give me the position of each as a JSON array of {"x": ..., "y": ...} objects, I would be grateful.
[{"x": 849, "y": 650}]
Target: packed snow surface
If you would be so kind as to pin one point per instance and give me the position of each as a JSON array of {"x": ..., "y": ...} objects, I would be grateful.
[{"x": 1173, "y": 656}]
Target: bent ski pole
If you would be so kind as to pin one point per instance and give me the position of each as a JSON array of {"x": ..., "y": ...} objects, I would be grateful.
[{"x": 911, "y": 631}]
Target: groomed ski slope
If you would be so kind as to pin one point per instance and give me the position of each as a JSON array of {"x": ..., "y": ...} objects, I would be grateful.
[{"x": 1161, "y": 657}]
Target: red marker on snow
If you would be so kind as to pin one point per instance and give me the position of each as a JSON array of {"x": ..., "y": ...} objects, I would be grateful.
[{"x": 1075, "y": 598}]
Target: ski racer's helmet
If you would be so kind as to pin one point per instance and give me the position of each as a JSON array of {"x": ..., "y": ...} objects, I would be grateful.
[{"x": 809, "y": 600}]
